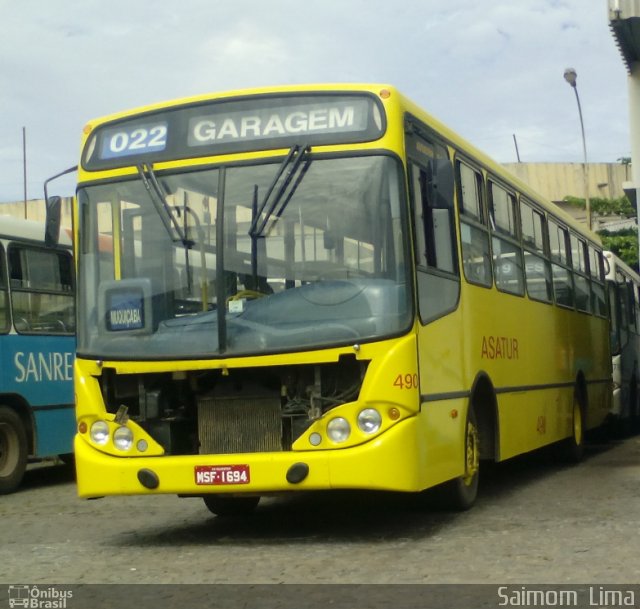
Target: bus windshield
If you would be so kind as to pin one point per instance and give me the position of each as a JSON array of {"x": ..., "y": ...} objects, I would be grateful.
[{"x": 246, "y": 259}]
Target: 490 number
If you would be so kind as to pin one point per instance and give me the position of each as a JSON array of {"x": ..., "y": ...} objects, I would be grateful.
[{"x": 406, "y": 381}]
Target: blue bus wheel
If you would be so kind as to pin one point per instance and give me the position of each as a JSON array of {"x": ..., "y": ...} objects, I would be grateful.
[{"x": 13, "y": 450}]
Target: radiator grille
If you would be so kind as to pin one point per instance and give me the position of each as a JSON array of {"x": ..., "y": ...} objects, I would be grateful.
[{"x": 239, "y": 425}]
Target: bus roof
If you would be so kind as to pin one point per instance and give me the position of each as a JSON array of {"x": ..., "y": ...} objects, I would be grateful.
[{"x": 390, "y": 92}]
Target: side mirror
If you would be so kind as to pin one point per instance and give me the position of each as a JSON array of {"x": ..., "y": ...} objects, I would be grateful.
[
  {"x": 54, "y": 211},
  {"x": 52, "y": 223},
  {"x": 329, "y": 240}
]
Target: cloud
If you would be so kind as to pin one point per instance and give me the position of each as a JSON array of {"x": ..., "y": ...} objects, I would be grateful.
[{"x": 488, "y": 69}]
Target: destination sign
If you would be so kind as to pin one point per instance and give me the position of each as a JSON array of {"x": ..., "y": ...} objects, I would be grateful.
[
  {"x": 125, "y": 310},
  {"x": 244, "y": 124},
  {"x": 135, "y": 139},
  {"x": 308, "y": 119}
]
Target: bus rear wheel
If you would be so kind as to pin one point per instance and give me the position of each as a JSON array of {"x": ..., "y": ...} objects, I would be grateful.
[
  {"x": 571, "y": 450},
  {"x": 222, "y": 505},
  {"x": 13, "y": 450},
  {"x": 461, "y": 493}
]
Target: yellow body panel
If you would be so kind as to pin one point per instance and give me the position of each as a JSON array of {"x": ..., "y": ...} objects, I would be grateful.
[{"x": 531, "y": 353}]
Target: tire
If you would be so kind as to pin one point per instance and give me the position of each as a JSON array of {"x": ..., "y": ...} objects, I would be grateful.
[
  {"x": 222, "y": 505},
  {"x": 460, "y": 493},
  {"x": 13, "y": 450},
  {"x": 571, "y": 450}
]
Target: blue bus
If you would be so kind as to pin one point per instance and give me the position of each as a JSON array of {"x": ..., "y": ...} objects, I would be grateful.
[{"x": 37, "y": 344}]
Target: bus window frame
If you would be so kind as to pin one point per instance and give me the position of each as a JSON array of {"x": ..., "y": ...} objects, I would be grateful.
[
  {"x": 422, "y": 225},
  {"x": 472, "y": 222},
  {"x": 15, "y": 289},
  {"x": 4, "y": 290},
  {"x": 598, "y": 277},
  {"x": 580, "y": 268},
  {"x": 505, "y": 236},
  {"x": 540, "y": 253},
  {"x": 562, "y": 262}
]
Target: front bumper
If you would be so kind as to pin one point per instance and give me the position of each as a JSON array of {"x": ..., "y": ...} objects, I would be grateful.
[{"x": 394, "y": 461}]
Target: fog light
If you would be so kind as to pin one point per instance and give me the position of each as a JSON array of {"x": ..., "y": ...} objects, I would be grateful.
[
  {"x": 123, "y": 438},
  {"x": 338, "y": 429},
  {"x": 315, "y": 438},
  {"x": 369, "y": 420},
  {"x": 100, "y": 432},
  {"x": 142, "y": 445}
]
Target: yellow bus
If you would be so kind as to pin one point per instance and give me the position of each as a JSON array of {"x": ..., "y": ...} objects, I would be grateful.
[{"x": 321, "y": 287}]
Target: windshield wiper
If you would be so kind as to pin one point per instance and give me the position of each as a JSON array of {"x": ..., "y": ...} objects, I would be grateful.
[
  {"x": 275, "y": 206},
  {"x": 170, "y": 222}
]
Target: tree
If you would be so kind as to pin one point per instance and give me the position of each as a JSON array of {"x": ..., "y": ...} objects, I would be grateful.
[
  {"x": 623, "y": 243},
  {"x": 605, "y": 207}
]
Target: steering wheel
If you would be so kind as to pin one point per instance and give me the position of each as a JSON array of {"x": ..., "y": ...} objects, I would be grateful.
[{"x": 248, "y": 294}]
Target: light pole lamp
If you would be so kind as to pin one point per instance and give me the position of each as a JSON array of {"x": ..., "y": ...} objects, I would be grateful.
[{"x": 570, "y": 75}]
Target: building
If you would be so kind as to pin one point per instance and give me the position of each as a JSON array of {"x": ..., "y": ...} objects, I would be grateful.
[
  {"x": 554, "y": 181},
  {"x": 35, "y": 210}
]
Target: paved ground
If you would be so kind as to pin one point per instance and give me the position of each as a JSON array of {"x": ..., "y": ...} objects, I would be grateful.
[{"x": 534, "y": 522}]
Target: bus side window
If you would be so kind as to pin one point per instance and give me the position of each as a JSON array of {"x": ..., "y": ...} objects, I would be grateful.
[
  {"x": 42, "y": 296},
  {"x": 476, "y": 257},
  {"x": 4, "y": 301},
  {"x": 431, "y": 182},
  {"x": 581, "y": 280},
  {"x": 434, "y": 223},
  {"x": 596, "y": 271},
  {"x": 507, "y": 254},
  {"x": 537, "y": 266},
  {"x": 562, "y": 275}
]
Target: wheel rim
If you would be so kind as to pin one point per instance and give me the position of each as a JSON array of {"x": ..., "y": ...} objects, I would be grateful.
[
  {"x": 8, "y": 449},
  {"x": 472, "y": 455},
  {"x": 577, "y": 424}
]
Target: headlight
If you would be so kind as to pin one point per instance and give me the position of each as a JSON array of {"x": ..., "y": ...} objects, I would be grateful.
[
  {"x": 369, "y": 420},
  {"x": 123, "y": 438},
  {"x": 338, "y": 429},
  {"x": 100, "y": 432}
]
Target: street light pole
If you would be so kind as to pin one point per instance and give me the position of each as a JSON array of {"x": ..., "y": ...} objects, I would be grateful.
[{"x": 570, "y": 75}]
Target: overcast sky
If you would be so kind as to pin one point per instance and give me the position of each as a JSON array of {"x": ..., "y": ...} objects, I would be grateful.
[{"x": 488, "y": 68}]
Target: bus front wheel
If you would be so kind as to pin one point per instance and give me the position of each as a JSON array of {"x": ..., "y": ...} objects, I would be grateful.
[
  {"x": 222, "y": 505},
  {"x": 460, "y": 493},
  {"x": 13, "y": 450}
]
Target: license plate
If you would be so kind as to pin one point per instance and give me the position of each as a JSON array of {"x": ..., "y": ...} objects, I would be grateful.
[{"x": 217, "y": 475}]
